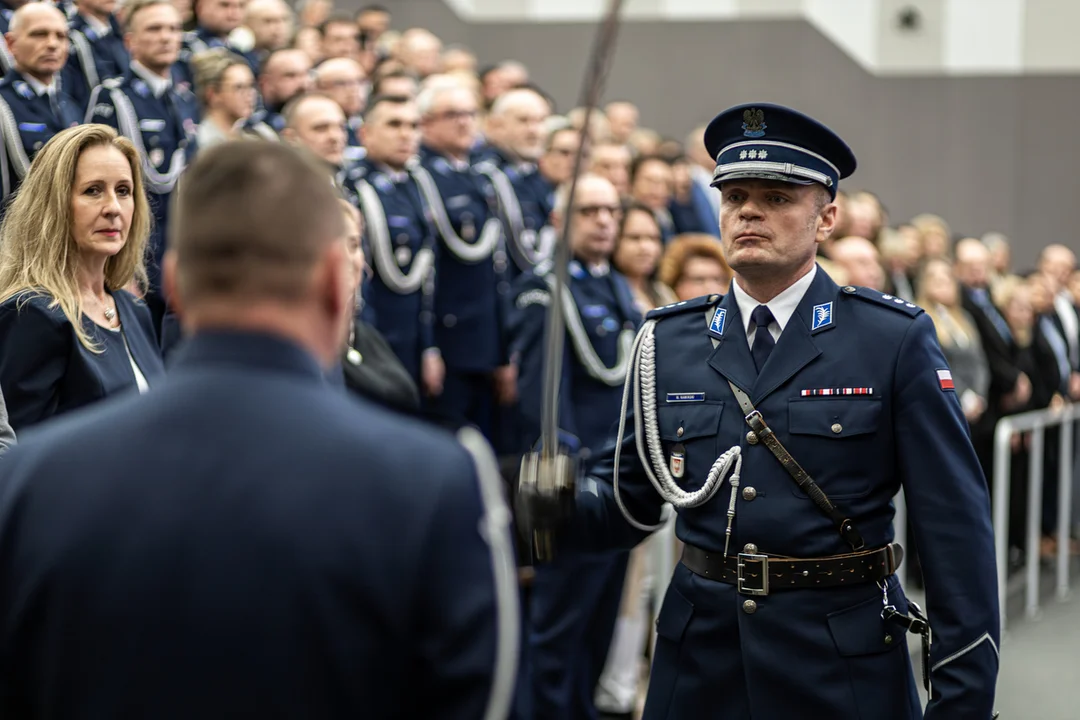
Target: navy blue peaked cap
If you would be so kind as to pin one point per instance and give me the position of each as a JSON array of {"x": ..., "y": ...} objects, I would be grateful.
[{"x": 774, "y": 142}]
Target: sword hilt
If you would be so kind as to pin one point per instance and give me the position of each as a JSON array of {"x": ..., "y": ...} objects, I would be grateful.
[{"x": 547, "y": 487}]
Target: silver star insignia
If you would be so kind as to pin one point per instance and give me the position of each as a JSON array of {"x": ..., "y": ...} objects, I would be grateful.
[
  {"x": 753, "y": 154},
  {"x": 762, "y": 154},
  {"x": 742, "y": 155}
]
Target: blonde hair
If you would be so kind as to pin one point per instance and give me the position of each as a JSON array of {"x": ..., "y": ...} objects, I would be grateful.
[
  {"x": 210, "y": 67},
  {"x": 37, "y": 251},
  {"x": 957, "y": 316}
]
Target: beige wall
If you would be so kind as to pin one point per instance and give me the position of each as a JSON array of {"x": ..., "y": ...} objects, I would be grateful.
[{"x": 985, "y": 153}]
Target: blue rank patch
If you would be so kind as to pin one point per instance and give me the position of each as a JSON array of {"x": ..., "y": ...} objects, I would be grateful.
[
  {"x": 822, "y": 316},
  {"x": 594, "y": 311},
  {"x": 686, "y": 397},
  {"x": 576, "y": 270},
  {"x": 397, "y": 221},
  {"x": 716, "y": 327},
  {"x": 32, "y": 127}
]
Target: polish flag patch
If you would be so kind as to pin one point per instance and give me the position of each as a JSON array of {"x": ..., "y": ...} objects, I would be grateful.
[{"x": 945, "y": 380}]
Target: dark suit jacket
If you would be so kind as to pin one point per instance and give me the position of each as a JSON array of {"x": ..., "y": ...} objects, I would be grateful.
[
  {"x": 1003, "y": 369},
  {"x": 45, "y": 370},
  {"x": 249, "y": 542}
]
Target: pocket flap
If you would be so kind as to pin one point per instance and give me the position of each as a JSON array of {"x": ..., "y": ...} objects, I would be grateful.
[
  {"x": 694, "y": 419},
  {"x": 835, "y": 418},
  {"x": 674, "y": 615},
  {"x": 859, "y": 630}
]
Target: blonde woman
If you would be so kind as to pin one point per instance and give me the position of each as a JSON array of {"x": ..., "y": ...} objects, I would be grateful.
[
  {"x": 73, "y": 238},
  {"x": 939, "y": 295},
  {"x": 226, "y": 89}
]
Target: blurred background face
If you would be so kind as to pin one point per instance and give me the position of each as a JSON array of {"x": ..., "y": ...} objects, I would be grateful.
[
  {"x": 343, "y": 80},
  {"x": 421, "y": 52},
  {"x": 701, "y": 276},
  {"x": 1018, "y": 311},
  {"x": 972, "y": 264},
  {"x": 220, "y": 17},
  {"x": 503, "y": 79},
  {"x": 450, "y": 126},
  {"x": 236, "y": 95},
  {"x": 353, "y": 232},
  {"x": 319, "y": 125},
  {"x": 938, "y": 284},
  {"x": 1042, "y": 294},
  {"x": 520, "y": 127},
  {"x": 595, "y": 219},
  {"x": 309, "y": 41},
  {"x": 612, "y": 162},
  {"x": 270, "y": 21},
  {"x": 1057, "y": 263},
  {"x": 557, "y": 162},
  {"x": 154, "y": 36},
  {"x": 623, "y": 120},
  {"x": 40, "y": 41},
  {"x": 284, "y": 76},
  {"x": 373, "y": 24},
  {"x": 653, "y": 184},
  {"x": 341, "y": 40},
  {"x": 640, "y": 245},
  {"x": 935, "y": 242},
  {"x": 861, "y": 261},
  {"x": 98, "y": 8},
  {"x": 391, "y": 133}
]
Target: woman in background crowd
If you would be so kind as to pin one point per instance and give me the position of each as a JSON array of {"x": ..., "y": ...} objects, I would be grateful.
[
  {"x": 370, "y": 367},
  {"x": 935, "y": 237},
  {"x": 73, "y": 238},
  {"x": 637, "y": 255},
  {"x": 694, "y": 265},
  {"x": 226, "y": 89},
  {"x": 939, "y": 295}
]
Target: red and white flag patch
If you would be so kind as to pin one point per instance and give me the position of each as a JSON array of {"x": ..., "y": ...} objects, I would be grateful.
[{"x": 945, "y": 380}]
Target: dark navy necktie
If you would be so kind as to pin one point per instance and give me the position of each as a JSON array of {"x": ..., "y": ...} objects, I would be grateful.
[{"x": 763, "y": 339}]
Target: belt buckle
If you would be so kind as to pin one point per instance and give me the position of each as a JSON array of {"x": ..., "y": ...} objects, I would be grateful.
[{"x": 748, "y": 560}]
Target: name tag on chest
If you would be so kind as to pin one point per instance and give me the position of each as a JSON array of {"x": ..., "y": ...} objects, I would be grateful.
[{"x": 686, "y": 397}]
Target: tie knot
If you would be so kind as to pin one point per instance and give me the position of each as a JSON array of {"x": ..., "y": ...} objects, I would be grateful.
[{"x": 761, "y": 316}]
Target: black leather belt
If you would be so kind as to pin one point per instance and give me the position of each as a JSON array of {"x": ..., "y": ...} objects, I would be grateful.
[{"x": 757, "y": 574}]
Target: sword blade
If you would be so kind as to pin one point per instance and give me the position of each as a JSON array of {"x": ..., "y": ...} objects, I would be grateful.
[{"x": 600, "y": 58}]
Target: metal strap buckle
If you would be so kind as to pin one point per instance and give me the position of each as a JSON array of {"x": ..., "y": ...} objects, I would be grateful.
[{"x": 762, "y": 563}]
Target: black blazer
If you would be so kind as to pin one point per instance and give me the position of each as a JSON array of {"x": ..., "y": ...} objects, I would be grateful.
[
  {"x": 46, "y": 371},
  {"x": 999, "y": 354},
  {"x": 373, "y": 371}
]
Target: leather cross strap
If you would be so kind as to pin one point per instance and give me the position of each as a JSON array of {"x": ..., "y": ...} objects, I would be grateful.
[
  {"x": 763, "y": 574},
  {"x": 802, "y": 478}
]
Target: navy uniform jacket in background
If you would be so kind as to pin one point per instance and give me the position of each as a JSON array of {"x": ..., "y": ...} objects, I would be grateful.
[
  {"x": 163, "y": 131},
  {"x": 93, "y": 59},
  {"x": 46, "y": 371},
  {"x": 812, "y": 653},
  {"x": 398, "y": 300},
  {"x": 293, "y": 552},
  {"x": 37, "y": 118},
  {"x": 7, "y": 62},
  {"x": 200, "y": 40},
  {"x": 604, "y": 307},
  {"x": 526, "y": 200},
  {"x": 469, "y": 323}
]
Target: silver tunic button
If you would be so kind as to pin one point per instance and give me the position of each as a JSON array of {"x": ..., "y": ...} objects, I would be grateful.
[
  {"x": 749, "y": 493},
  {"x": 449, "y": 321},
  {"x": 751, "y": 437},
  {"x": 837, "y": 428},
  {"x": 679, "y": 432},
  {"x": 749, "y": 607},
  {"x": 750, "y": 549}
]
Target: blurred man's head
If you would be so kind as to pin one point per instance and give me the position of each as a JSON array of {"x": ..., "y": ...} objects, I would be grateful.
[
  {"x": 502, "y": 78},
  {"x": 972, "y": 267},
  {"x": 612, "y": 161},
  {"x": 258, "y": 244},
  {"x": 219, "y": 17},
  {"x": 391, "y": 131},
  {"x": 373, "y": 21},
  {"x": 861, "y": 261},
  {"x": 420, "y": 51},
  {"x": 343, "y": 79},
  {"x": 696, "y": 151},
  {"x": 516, "y": 123},
  {"x": 458, "y": 59},
  {"x": 560, "y": 151},
  {"x": 270, "y": 22},
  {"x": 399, "y": 83},
  {"x": 285, "y": 74},
  {"x": 623, "y": 120},
  {"x": 448, "y": 117},
  {"x": 317, "y": 123},
  {"x": 340, "y": 38},
  {"x": 1057, "y": 262},
  {"x": 652, "y": 181}
]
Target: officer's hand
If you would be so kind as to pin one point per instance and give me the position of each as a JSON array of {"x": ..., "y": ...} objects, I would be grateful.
[
  {"x": 433, "y": 373},
  {"x": 1022, "y": 391},
  {"x": 506, "y": 384},
  {"x": 1074, "y": 386}
]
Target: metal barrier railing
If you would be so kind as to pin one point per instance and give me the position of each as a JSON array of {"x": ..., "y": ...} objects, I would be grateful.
[{"x": 1036, "y": 422}]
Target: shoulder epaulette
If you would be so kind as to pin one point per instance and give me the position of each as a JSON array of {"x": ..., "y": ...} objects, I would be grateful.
[
  {"x": 698, "y": 303},
  {"x": 890, "y": 301}
]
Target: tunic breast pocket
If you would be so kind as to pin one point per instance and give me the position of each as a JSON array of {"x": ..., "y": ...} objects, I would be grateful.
[
  {"x": 835, "y": 440},
  {"x": 690, "y": 430}
]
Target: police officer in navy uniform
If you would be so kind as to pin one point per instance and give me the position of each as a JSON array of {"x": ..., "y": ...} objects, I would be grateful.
[
  {"x": 786, "y": 603},
  {"x": 217, "y": 18},
  {"x": 575, "y": 599},
  {"x": 97, "y": 50},
  {"x": 32, "y": 106},
  {"x": 252, "y": 574},
  {"x": 472, "y": 263},
  {"x": 158, "y": 116},
  {"x": 399, "y": 298},
  {"x": 526, "y": 198}
]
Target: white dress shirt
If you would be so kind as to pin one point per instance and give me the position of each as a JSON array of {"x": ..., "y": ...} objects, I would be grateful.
[
  {"x": 158, "y": 85},
  {"x": 782, "y": 306}
]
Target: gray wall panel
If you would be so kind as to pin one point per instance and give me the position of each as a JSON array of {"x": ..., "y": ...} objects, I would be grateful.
[{"x": 985, "y": 153}]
